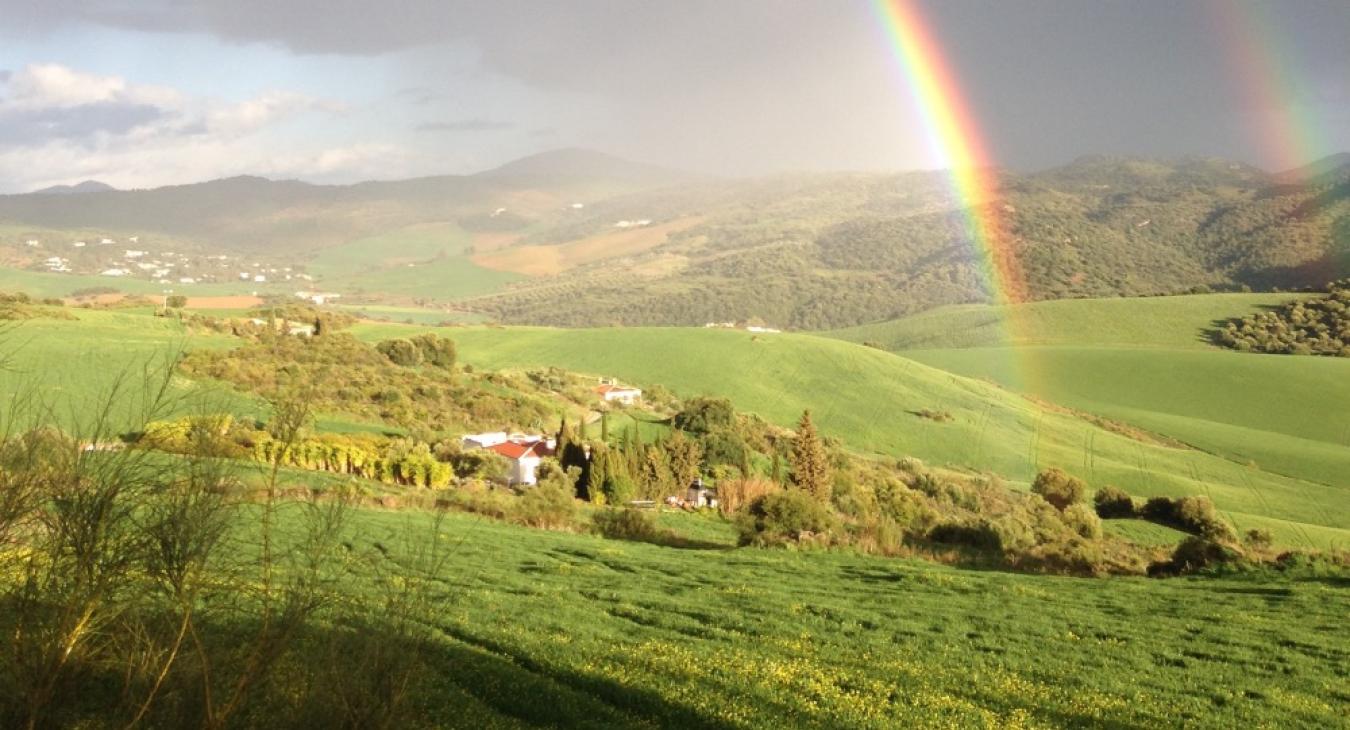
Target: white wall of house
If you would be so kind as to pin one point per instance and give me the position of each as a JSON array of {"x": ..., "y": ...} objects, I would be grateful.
[{"x": 524, "y": 470}]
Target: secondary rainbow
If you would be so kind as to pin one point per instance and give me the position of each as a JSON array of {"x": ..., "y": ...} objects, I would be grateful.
[
  {"x": 1264, "y": 69},
  {"x": 956, "y": 140}
]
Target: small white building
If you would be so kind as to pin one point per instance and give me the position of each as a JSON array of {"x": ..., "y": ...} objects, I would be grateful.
[
  {"x": 33, "y": 242},
  {"x": 524, "y": 459},
  {"x": 78, "y": 244},
  {"x": 114, "y": 272},
  {"x": 187, "y": 280},
  {"x": 132, "y": 253},
  {"x": 106, "y": 242},
  {"x": 259, "y": 278},
  {"x": 615, "y": 393},
  {"x": 482, "y": 440}
]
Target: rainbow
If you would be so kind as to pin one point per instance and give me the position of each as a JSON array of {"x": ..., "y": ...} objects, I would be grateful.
[
  {"x": 955, "y": 140},
  {"x": 1264, "y": 74}
]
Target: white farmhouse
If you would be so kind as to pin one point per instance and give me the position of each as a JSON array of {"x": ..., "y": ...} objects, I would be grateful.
[
  {"x": 259, "y": 278},
  {"x": 33, "y": 242},
  {"x": 78, "y": 244},
  {"x": 614, "y": 393},
  {"x": 114, "y": 272},
  {"x": 524, "y": 459}
]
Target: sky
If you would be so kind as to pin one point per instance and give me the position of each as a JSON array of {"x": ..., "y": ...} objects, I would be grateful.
[{"x": 142, "y": 93}]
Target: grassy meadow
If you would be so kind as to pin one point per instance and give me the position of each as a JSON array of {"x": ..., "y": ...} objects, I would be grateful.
[
  {"x": 562, "y": 629},
  {"x": 73, "y": 365},
  {"x": 429, "y": 261},
  {"x": 872, "y": 400},
  {"x": 1147, "y": 362}
]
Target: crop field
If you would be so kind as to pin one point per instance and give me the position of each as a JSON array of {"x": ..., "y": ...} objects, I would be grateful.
[
  {"x": 421, "y": 261},
  {"x": 873, "y": 400},
  {"x": 555, "y": 259},
  {"x": 414, "y": 315},
  {"x": 1146, "y": 362},
  {"x": 551, "y": 628},
  {"x": 72, "y": 365}
]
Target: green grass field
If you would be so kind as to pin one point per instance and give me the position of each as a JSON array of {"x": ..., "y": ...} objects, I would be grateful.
[
  {"x": 541, "y": 628},
  {"x": 71, "y": 366},
  {"x": 870, "y": 399},
  {"x": 1147, "y": 362},
  {"x": 422, "y": 261}
]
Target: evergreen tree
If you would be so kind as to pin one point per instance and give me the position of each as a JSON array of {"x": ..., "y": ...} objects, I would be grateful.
[
  {"x": 604, "y": 427},
  {"x": 810, "y": 464},
  {"x": 777, "y": 474}
]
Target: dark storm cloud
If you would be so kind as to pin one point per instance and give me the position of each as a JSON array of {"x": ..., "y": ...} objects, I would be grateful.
[
  {"x": 809, "y": 83},
  {"x": 466, "y": 125},
  {"x": 35, "y": 127}
]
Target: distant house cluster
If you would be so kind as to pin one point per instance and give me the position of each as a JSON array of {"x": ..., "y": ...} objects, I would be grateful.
[{"x": 641, "y": 223}]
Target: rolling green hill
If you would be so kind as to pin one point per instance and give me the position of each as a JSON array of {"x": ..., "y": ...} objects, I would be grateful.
[
  {"x": 870, "y": 400},
  {"x": 1147, "y": 362}
]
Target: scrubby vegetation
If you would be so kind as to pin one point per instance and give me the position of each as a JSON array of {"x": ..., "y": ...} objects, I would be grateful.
[
  {"x": 1314, "y": 326},
  {"x": 826, "y": 252},
  {"x": 417, "y": 387}
]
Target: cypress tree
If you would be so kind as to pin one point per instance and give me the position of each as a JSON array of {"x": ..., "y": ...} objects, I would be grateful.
[
  {"x": 810, "y": 464},
  {"x": 604, "y": 427},
  {"x": 777, "y": 474}
]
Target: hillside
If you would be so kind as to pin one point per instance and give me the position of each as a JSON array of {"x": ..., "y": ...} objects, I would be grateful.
[
  {"x": 1149, "y": 362},
  {"x": 523, "y": 242},
  {"x": 834, "y": 252},
  {"x": 871, "y": 401}
]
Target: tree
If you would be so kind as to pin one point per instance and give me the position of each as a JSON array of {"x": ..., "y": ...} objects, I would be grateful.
[
  {"x": 401, "y": 352},
  {"x": 810, "y": 464},
  {"x": 175, "y": 301},
  {"x": 1059, "y": 488}
]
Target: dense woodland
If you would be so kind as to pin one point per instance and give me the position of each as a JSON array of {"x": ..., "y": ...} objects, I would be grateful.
[
  {"x": 1314, "y": 326},
  {"x": 829, "y": 256}
]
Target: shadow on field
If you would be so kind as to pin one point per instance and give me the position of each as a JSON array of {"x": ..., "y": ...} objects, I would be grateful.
[{"x": 516, "y": 685}]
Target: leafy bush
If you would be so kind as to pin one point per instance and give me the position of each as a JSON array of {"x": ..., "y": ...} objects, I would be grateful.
[
  {"x": 1196, "y": 553},
  {"x": 1083, "y": 520},
  {"x": 792, "y": 515},
  {"x": 980, "y": 534},
  {"x": 1112, "y": 502},
  {"x": 1195, "y": 515},
  {"x": 550, "y": 504},
  {"x": 631, "y": 524},
  {"x": 1059, "y": 488},
  {"x": 1305, "y": 327},
  {"x": 401, "y": 352}
]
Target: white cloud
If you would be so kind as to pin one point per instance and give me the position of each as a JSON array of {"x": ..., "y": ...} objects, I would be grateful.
[{"x": 59, "y": 124}]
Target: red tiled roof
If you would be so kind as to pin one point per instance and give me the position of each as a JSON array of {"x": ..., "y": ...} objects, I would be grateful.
[{"x": 512, "y": 450}]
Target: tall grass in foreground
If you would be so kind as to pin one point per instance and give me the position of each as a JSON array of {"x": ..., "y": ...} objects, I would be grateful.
[{"x": 142, "y": 591}]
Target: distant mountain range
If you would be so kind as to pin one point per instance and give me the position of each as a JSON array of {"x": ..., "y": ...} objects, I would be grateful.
[
  {"x": 249, "y": 213},
  {"x": 88, "y": 186},
  {"x": 606, "y": 240}
]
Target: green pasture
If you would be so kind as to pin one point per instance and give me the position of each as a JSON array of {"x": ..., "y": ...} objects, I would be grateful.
[{"x": 872, "y": 401}]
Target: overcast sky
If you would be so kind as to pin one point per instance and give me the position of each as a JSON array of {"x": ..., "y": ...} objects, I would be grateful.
[{"x": 148, "y": 92}]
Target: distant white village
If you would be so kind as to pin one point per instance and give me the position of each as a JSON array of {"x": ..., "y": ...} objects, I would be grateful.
[{"x": 115, "y": 258}]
